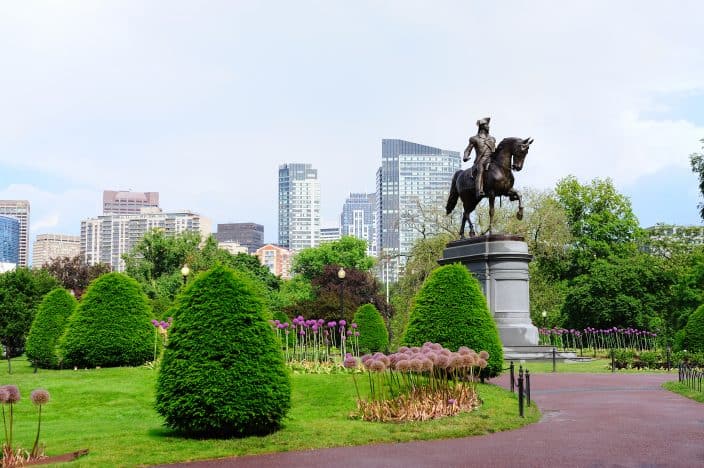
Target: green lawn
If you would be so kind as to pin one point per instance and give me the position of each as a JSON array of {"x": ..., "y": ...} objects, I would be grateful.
[
  {"x": 684, "y": 390},
  {"x": 592, "y": 367},
  {"x": 109, "y": 412}
]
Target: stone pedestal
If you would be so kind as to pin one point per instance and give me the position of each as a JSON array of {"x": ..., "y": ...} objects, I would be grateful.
[{"x": 500, "y": 263}]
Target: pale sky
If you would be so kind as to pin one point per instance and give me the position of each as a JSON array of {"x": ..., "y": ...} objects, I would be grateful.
[{"x": 203, "y": 100}]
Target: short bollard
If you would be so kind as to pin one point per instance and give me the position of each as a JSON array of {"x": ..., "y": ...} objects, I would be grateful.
[
  {"x": 669, "y": 362},
  {"x": 520, "y": 391},
  {"x": 613, "y": 361},
  {"x": 554, "y": 359},
  {"x": 528, "y": 386},
  {"x": 513, "y": 377}
]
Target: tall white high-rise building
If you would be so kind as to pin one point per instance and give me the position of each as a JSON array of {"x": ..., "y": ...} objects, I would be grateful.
[
  {"x": 358, "y": 219},
  {"x": 19, "y": 209},
  {"x": 106, "y": 238},
  {"x": 412, "y": 179},
  {"x": 128, "y": 202},
  {"x": 50, "y": 246},
  {"x": 299, "y": 206}
]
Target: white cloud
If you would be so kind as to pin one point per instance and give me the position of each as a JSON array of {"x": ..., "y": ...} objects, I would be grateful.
[{"x": 203, "y": 103}]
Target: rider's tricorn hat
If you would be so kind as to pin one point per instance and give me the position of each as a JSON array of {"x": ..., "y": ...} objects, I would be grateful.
[{"x": 484, "y": 121}]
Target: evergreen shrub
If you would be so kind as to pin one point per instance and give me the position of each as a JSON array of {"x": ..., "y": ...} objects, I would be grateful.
[
  {"x": 223, "y": 372},
  {"x": 450, "y": 309},
  {"x": 373, "y": 335},
  {"x": 110, "y": 327},
  {"x": 48, "y": 326},
  {"x": 694, "y": 331}
]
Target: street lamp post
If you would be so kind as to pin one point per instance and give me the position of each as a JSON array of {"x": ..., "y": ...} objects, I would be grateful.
[
  {"x": 545, "y": 318},
  {"x": 341, "y": 275},
  {"x": 184, "y": 272}
]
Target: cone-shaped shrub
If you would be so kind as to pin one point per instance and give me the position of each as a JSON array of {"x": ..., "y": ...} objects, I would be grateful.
[
  {"x": 223, "y": 371},
  {"x": 450, "y": 309},
  {"x": 694, "y": 331},
  {"x": 48, "y": 326},
  {"x": 110, "y": 327},
  {"x": 373, "y": 335}
]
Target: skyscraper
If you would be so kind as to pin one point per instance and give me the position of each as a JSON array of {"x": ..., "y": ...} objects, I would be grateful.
[
  {"x": 299, "y": 206},
  {"x": 121, "y": 203},
  {"x": 412, "y": 178},
  {"x": 357, "y": 219},
  {"x": 9, "y": 243},
  {"x": 19, "y": 209},
  {"x": 106, "y": 239},
  {"x": 50, "y": 246},
  {"x": 250, "y": 235}
]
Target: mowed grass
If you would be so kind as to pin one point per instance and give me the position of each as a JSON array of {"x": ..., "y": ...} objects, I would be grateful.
[
  {"x": 110, "y": 412},
  {"x": 684, "y": 390},
  {"x": 599, "y": 365}
]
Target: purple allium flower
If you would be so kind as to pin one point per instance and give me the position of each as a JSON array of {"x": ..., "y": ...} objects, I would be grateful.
[
  {"x": 343, "y": 323},
  {"x": 377, "y": 366},
  {"x": 349, "y": 332},
  {"x": 353, "y": 325},
  {"x": 350, "y": 362},
  {"x": 13, "y": 393},
  {"x": 315, "y": 327},
  {"x": 164, "y": 324},
  {"x": 155, "y": 322},
  {"x": 40, "y": 396},
  {"x": 321, "y": 322},
  {"x": 4, "y": 395},
  {"x": 332, "y": 324},
  {"x": 356, "y": 333},
  {"x": 451, "y": 401},
  {"x": 302, "y": 332},
  {"x": 483, "y": 355}
]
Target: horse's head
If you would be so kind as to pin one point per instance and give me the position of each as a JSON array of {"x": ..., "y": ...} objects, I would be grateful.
[{"x": 519, "y": 152}]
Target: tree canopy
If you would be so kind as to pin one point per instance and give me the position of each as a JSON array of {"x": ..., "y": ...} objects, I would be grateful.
[
  {"x": 348, "y": 252},
  {"x": 74, "y": 274}
]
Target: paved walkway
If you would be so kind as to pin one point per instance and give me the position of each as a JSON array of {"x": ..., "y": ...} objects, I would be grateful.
[{"x": 589, "y": 420}]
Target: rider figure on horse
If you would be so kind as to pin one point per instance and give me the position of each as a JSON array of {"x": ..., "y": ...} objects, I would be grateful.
[{"x": 484, "y": 145}]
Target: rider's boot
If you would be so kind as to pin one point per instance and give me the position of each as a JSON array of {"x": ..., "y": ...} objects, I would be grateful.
[{"x": 480, "y": 181}]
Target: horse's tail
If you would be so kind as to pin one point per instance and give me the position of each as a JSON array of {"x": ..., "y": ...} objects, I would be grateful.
[{"x": 454, "y": 194}]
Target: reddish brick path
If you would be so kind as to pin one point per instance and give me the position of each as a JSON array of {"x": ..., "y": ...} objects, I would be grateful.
[{"x": 589, "y": 420}]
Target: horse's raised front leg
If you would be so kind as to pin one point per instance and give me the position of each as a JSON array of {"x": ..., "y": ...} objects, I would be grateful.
[
  {"x": 513, "y": 195},
  {"x": 471, "y": 226},
  {"x": 491, "y": 212}
]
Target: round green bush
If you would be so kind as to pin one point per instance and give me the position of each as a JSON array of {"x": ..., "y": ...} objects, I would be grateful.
[
  {"x": 373, "y": 335},
  {"x": 694, "y": 331},
  {"x": 450, "y": 309},
  {"x": 223, "y": 372},
  {"x": 111, "y": 326},
  {"x": 48, "y": 326}
]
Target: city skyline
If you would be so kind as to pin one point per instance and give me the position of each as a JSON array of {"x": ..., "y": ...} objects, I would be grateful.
[{"x": 204, "y": 110}]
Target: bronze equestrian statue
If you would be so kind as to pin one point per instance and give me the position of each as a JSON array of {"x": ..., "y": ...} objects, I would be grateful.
[{"x": 497, "y": 176}]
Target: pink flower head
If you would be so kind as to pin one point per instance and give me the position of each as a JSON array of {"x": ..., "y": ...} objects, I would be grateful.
[{"x": 353, "y": 325}]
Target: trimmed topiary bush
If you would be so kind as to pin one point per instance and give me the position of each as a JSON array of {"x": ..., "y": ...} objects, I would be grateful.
[
  {"x": 223, "y": 371},
  {"x": 373, "y": 335},
  {"x": 450, "y": 309},
  {"x": 694, "y": 331},
  {"x": 48, "y": 326},
  {"x": 111, "y": 326}
]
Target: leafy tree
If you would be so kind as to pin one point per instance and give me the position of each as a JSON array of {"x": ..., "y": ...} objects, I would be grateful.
[
  {"x": 422, "y": 260},
  {"x": 74, "y": 274},
  {"x": 111, "y": 326},
  {"x": 621, "y": 292},
  {"x": 694, "y": 332},
  {"x": 21, "y": 291},
  {"x": 373, "y": 335},
  {"x": 223, "y": 372},
  {"x": 450, "y": 309},
  {"x": 348, "y": 252},
  {"x": 697, "y": 162},
  {"x": 601, "y": 222},
  {"x": 158, "y": 254},
  {"x": 48, "y": 326}
]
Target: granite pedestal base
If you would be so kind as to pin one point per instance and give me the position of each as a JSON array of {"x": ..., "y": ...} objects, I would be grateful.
[{"x": 500, "y": 263}]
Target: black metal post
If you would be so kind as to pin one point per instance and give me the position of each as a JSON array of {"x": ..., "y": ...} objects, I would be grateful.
[
  {"x": 528, "y": 386},
  {"x": 513, "y": 376},
  {"x": 613, "y": 360},
  {"x": 520, "y": 391},
  {"x": 554, "y": 360},
  {"x": 342, "y": 296},
  {"x": 669, "y": 363}
]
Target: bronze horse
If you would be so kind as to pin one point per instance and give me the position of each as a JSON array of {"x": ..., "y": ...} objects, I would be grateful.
[{"x": 498, "y": 181}]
